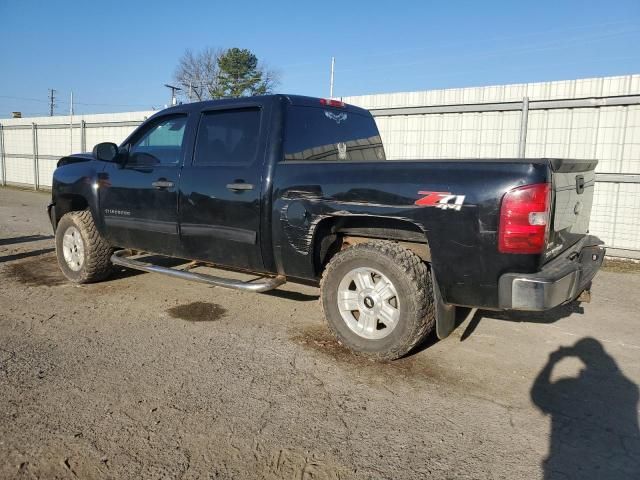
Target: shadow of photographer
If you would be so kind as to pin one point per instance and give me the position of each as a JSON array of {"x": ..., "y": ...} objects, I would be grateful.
[{"x": 594, "y": 416}]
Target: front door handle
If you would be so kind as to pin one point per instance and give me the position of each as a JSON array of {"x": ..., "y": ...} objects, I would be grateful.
[
  {"x": 239, "y": 186},
  {"x": 162, "y": 184}
]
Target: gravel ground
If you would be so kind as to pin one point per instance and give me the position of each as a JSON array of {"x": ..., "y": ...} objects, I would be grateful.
[{"x": 143, "y": 376}]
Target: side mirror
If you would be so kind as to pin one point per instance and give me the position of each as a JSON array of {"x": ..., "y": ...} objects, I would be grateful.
[{"x": 106, "y": 151}]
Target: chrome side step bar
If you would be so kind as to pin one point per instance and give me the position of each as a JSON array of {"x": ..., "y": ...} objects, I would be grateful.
[{"x": 263, "y": 285}]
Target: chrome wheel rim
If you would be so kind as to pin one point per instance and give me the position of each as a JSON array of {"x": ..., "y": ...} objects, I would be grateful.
[
  {"x": 368, "y": 303},
  {"x": 73, "y": 248}
]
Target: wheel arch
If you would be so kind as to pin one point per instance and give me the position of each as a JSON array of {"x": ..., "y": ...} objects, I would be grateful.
[
  {"x": 65, "y": 203},
  {"x": 336, "y": 233}
]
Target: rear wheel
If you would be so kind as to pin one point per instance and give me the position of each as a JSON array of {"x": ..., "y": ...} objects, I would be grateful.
[
  {"x": 83, "y": 255},
  {"x": 378, "y": 299}
]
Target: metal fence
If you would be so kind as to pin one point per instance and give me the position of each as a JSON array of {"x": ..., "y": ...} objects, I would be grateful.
[
  {"x": 590, "y": 118},
  {"x": 541, "y": 128},
  {"x": 30, "y": 148},
  {"x": 556, "y": 119}
]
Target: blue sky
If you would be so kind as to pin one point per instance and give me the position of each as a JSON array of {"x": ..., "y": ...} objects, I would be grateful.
[{"x": 116, "y": 55}]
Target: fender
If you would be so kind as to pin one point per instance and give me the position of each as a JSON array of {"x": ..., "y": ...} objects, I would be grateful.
[{"x": 74, "y": 187}]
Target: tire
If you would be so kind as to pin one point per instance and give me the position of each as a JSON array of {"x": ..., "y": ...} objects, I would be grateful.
[
  {"x": 388, "y": 321},
  {"x": 84, "y": 256}
]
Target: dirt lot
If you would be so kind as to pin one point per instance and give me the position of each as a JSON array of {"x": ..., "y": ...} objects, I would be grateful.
[{"x": 147, "y": 377}]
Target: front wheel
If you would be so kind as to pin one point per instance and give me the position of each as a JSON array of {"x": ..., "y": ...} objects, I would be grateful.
[
  {"x": 83, "y": 255},
  {"x": 377, "y": 298}
]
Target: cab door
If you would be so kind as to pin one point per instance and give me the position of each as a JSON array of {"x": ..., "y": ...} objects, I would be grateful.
[
  {"x": 138, "y": 197},
  {"x": 220, "y": 193}
]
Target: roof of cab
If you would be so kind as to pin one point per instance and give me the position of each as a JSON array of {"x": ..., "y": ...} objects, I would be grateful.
[{"x": 262, "y": 99}]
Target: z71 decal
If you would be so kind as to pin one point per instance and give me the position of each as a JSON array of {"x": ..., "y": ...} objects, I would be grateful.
[{"x": 443, "y": 200}]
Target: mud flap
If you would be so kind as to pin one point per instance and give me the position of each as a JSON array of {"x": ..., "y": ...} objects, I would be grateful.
[
  {"x": 445, "y": 313},
  {"x": 51, "y": 212}
]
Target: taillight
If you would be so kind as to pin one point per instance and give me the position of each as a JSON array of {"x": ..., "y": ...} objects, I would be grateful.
[
  {"x": 332, "y": 103},
  {"x": 524, "y": 219}
]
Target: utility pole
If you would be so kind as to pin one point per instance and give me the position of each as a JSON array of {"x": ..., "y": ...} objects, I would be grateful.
[
  {"x": 173, "y": 93},
  {"x": 333, "y": 64},
  {"x": 52, "y": 99}
]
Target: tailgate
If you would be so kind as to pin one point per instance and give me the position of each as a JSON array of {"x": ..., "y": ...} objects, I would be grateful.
[{"x": 573, "y": 186}]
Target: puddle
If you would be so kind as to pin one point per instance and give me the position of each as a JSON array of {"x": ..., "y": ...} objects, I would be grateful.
[
  {"x": 320, "y": 339},
  {"x": 415, "y": 369},
  {"x": 38, "y": 271},
  {"x": 198, "y": 312}
]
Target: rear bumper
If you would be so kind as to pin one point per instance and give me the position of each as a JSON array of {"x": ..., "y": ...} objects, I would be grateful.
[{"x": 559, "y": 281}]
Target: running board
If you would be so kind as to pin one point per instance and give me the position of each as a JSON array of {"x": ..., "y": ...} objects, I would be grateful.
[{"x": 259, "y": 286}]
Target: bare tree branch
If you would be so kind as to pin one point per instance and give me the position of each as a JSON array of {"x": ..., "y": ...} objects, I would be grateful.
[
  {"x": 219, "y": 73},
  {"x": 198, "y": 73}
]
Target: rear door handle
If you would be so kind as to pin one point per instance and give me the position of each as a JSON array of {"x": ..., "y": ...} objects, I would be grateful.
[
  {"x": 239, "y": 186},
  {"x": 162, "y": 184}
]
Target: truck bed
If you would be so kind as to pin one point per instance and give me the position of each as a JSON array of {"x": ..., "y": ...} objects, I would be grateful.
[{"x": 461, "y": 238}]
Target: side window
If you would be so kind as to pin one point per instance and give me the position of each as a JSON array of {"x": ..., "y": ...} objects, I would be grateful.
[
  {"x": 227, "y": 137},
  {"x": 161, "y": 144}
]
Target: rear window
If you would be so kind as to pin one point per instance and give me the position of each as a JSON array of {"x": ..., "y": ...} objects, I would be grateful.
[{"x": 326, "y": 134}]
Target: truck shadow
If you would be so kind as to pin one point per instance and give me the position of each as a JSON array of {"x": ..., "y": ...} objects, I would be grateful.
[
  {"x": 18, "y": 256},
  {"x": 594, "y": 416},
  {"x": 24, "y": 239},
  {"x": 292, "y": 295},
  {"x": 549, "y": 316}
]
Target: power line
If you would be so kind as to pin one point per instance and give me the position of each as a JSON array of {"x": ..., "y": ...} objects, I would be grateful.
[
  {"x": 112, "y": 104},
  {"x": 475, "y": 42},
  {"x": 563, "y": 44},
  {"x": 25, "y": 98},
  {"x": 29, "y": 99}
]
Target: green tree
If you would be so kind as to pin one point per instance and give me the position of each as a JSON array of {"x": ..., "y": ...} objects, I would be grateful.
[
  {"x": 241, "y": 75},
  {"x": 234, "y": 72}
]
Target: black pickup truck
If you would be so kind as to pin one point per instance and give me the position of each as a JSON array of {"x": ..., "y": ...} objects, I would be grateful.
[{"x": 299, "y": 189}]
